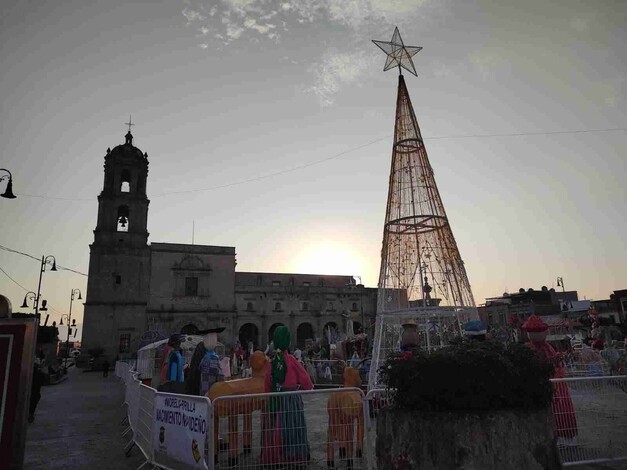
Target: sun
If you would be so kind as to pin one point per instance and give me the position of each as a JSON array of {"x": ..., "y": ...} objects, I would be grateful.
[{"x": 329, "y": 258}]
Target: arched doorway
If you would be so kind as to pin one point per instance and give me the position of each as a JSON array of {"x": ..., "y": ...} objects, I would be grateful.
[
  {"x": 249, "y": 332},
  {"x": 330, "y": 332},
  {"x": 271, "y": 330},
  {"x": 189, "y": 329},
  {"x": 303, "y": 333}
]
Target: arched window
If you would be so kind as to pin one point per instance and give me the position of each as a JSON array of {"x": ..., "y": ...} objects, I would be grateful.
[
  {"x": 354, "y": 307},
  {"x": 305, "y": 307},
  {"x": 277, "y": 307},
  {"x": 250, "y": 307},
  {"x": 122, "y": 219},
  {"x": 125, "y": 181}
]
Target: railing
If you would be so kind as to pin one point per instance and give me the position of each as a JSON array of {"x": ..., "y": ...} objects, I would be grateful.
[
  {"x": 314, "y": 428},
  {"x": 591, "y": 419},
  {"x": 338, "y": 426}
]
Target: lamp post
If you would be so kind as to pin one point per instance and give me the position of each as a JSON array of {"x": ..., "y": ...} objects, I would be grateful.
[
  {"x": 44, "y": 261},
  {"x": 8, "y": 193},
  {"x": 29, "y": 295},
  {"x": 70, "y": 326}
]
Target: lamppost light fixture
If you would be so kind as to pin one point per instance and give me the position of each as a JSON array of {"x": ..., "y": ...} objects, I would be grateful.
[
  {"x": 8, "y": 193},
  {"x": 43, "y": 307},
  {"x": 54, "y": 265}
]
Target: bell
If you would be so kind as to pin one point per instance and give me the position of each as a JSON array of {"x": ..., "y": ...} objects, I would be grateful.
[
  {"x": 123, "y": 221},
  {"x": 8, "y": 193}
]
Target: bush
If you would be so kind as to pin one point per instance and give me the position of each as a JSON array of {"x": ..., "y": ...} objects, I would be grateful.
[{"x": 469, "y": 376}]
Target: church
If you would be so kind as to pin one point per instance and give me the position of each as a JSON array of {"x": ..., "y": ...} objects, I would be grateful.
[{"x": 136, "y": 288}]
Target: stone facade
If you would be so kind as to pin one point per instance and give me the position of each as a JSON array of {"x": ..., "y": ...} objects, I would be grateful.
[{"x": 135, "y": 287}]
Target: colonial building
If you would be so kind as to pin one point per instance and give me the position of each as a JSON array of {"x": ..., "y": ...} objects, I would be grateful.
[{"x": 135, "y": 287}]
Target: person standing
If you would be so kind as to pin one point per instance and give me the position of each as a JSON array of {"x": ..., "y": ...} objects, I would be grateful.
[
  {"x": 105, "y": 368},
  {"x": 35, "y": 390},
  {"x": 284, "y": 429}
]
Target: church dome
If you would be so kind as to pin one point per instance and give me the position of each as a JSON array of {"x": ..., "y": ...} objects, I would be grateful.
[{"x": 126, "y": 150}]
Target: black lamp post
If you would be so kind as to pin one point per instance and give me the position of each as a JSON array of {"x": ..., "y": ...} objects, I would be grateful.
[
  {"x": 44, "y": 261},
  {"x": 72, "y": 325},
  {"x": 8, "y": 193}
]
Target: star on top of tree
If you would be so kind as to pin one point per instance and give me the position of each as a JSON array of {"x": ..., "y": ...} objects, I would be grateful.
[{"x": 399, "y": 55}]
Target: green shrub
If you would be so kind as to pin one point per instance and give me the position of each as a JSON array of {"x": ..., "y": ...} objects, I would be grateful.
[{"x": 469, "y": 376}]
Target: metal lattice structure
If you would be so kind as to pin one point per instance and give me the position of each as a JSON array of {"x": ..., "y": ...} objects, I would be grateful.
[
  {"x": 422, "y": 280},
  {"x": 420, "y": 262}
]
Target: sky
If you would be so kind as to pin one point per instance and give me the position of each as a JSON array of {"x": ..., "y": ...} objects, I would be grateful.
[{"x": 268, "y": 126}]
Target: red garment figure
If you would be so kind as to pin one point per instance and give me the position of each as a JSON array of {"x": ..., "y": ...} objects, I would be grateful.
[{"x": 562, "y": 404}]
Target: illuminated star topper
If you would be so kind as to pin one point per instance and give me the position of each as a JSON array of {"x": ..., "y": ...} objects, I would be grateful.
[{"x": 399, "y": 55}]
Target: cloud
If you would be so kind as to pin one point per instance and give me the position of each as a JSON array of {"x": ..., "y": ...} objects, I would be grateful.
[
  {"x": 192, "y": 15},
  {"x": 336, "y": 70},
  {"x": 273, "y": 20}
]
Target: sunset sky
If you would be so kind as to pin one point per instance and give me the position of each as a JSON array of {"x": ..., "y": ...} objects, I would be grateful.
[{"x": 229, "y": 95}]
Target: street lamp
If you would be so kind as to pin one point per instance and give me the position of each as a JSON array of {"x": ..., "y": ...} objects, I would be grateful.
[
  {"x": 29, "y": 295},
  {"x": 73, "y": 325},
  {"x": 8, "y": 193},
  {"x": 44, "y": 261}
]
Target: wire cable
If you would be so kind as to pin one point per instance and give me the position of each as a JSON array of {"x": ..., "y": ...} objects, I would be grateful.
[
  {"x": 332, "y": 157},
  {"x": 27, "y": 290},
  {"x": 10, "y": 250}
]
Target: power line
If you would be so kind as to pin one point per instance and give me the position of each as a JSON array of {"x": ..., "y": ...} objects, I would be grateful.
[
  {"x": 332, "y": 157},
  {"x": 25, "y": 289},
  {"x": 11, "y": 250}
]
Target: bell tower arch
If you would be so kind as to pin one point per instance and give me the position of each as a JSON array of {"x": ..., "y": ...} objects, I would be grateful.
[{"x": 119, "y": 261}]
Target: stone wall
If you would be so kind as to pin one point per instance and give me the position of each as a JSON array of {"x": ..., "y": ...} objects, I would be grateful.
[{"x": 487, "y": 441}]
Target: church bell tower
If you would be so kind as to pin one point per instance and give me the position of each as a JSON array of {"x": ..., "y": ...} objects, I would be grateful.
[{"x": 119, "y": 262}]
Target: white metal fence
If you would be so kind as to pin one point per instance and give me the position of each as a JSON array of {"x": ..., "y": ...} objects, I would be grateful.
[
  {"x": 315, "y": 429},
  {"x": 300, "y": 428},
  {"x": 591, "y": 419}
]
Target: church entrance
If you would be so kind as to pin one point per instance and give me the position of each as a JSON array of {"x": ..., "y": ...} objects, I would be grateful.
[
  {"x": 303, "y": 333},
  {"x": 190, "y": 329},
  {"x": 249, "y": 333}
]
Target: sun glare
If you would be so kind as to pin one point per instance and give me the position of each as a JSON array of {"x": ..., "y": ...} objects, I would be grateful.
[{"x": 329, "y": 258}]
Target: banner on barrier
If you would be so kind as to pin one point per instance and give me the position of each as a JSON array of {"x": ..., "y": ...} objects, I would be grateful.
[{"x": 180, "y": 430}]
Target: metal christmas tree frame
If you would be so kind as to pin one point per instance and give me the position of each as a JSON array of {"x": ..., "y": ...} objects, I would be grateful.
[{"x": 422, "y": 276}]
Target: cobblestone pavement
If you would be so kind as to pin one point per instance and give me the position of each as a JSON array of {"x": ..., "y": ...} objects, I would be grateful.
[{"x": 78, "y": 424}]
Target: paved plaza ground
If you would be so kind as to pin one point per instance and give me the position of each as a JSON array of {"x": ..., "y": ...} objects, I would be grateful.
[{"x": 78, "y": 425}]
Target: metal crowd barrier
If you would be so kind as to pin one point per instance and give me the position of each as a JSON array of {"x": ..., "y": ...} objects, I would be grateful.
[
  {"x": 309, "y": 428},
  {"x": 320, "y": 427},
  {"x": 375, "y": 400},
  {"x": 149, "y": 436},
  {"x": 591, "y": 419}
]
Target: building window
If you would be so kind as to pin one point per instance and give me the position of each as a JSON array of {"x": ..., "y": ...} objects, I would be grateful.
[
  {"x": 277, "y": 307},
  {"x": 118, "y": 279},
  {"x": 125, "y": 186},
  {"x": 305, "y": 307},
  {"x": 122, "y": 220},
  {"x": 249, "y": 307},
  {"x": 125, "y": 343},
  {"x": 354, "y": 307},
  {"x": 330, "y": 306},
  {"x": 191, "y": 286},
  {"x": 276, "y": 283}
]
